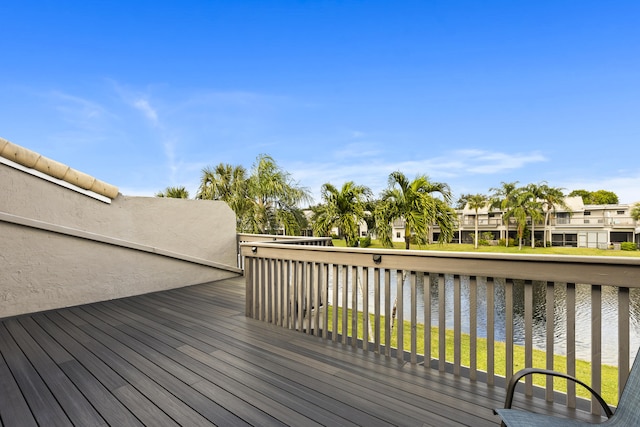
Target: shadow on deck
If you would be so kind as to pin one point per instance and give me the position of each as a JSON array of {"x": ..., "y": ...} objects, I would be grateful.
[{"x": 190, "y": 357}]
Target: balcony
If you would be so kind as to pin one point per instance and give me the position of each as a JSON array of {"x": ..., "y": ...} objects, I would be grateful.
[
  {"x": 192, "y": 356},
  {"x": 499, "y": 312},
  {"x": 309, "y": 335}
]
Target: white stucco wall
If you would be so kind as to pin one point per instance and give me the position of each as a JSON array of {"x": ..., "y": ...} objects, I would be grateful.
[{"x": 41, "y": 270}]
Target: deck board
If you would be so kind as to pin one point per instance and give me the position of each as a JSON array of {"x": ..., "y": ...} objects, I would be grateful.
[{"x": 190, "y": 357}]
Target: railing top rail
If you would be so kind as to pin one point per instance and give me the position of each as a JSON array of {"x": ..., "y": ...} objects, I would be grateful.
[
  {"x": 598, "y": 270},
  {"x": 246, "y": 237}
]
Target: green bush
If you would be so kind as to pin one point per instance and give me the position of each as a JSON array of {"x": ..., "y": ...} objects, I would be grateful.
[
  {"x": 487, "y": 235},
  {"x": 502, "y": 242},
  {"x": 483, "y": 242},
  {"x": 365, "y": 242},
  {"x": 628, "y": 246}
]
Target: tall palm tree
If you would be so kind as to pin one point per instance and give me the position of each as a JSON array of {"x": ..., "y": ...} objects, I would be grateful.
[
  {"x": 552, "y": 197},
  {"x": 174, "y": 193},
  {"x": 534, "y": 208},
  {"x": 274, "y": 199},
  {"x": 414, "y": 203},
  {"x": 477, "y": 202},
  {"x": 503, "y": 198},
  {"x": 518, "y": 211},
  {"x": 229, "y": 184},
  {"x": 263, "y": 202},
  {"x": 342, "y": 208}
]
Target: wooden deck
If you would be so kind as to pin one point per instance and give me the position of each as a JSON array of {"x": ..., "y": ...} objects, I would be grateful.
[{"x": 190, "y": 357}]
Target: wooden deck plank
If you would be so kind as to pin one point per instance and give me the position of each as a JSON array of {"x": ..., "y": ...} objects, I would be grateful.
[
  {"x": 71, "y": 400},
  {"x": 189, "y": 356},
  {"x": 14, "y": 410},
  {"x": 231, "y": 340},
  {"x": 389, "y": 412}
]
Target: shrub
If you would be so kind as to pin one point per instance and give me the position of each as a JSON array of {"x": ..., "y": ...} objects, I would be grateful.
[
  {"x": 365, "y": 242},
  {"x": 483, "y": 242},
  {"x": 628, "y": 246},
  {"x": 502, "y": 242}
]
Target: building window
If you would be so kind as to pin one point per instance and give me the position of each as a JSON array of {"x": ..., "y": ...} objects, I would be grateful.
[
  {"x": 620, "y": 212},
  {"x": 398, "y": 235},
  {"x": 562, "y": 218},
  {"x": 587, "y": 213}
]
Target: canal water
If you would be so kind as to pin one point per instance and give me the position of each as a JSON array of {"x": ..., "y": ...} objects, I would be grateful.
[{"x": 583, "y": 315}]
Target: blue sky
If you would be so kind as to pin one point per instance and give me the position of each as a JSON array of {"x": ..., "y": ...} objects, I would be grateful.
[{"x": 145, "y": 94}]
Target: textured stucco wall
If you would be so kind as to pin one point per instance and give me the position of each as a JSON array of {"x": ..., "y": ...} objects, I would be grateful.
[{"x": 41, "y": 270}]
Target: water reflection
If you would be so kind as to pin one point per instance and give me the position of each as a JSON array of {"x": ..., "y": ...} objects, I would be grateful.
[{"x": 609, "y": 313}]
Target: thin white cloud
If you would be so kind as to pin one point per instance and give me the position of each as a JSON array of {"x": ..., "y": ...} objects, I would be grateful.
[
  {"x": 149, "y": 112},
  {"x": 78, "y": 111},
  {"x": 357, "y": 151},
  {"x": 486, "y": 162},
  {"x": 374, "y": 170}
]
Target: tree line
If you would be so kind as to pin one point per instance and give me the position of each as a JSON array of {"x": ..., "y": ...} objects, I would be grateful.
[{"x": 267, "y": 200}]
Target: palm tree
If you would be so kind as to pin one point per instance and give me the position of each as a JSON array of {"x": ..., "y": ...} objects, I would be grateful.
[
  {"x": 228, "y": 184},
  {"x": 525, "y": 205},
  {"x": 518, "y": 211},
  {"x": 343, "y": 208},
  {"x": 274, "y": 198},
  {"x": 477, "y": 202},
  {"x": 263, "y": 202},
  {"x": 503, "y": 199},
  {"x": 174, "y": 193},
  {"x": 552, "y": 197},
  {"x": 413, "y": 202}
]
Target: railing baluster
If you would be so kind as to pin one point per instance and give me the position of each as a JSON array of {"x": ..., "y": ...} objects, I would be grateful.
[
  {"x": 508, "y": 297},
  {"x": 261, "y": 290},
  {"x": 414, "y": 319},
  {"x": 309, "y": 291},
  {"x": 300, "y": 295},
  {"x": 426, "y": 281},
  {"x": 365, "y": 309},
  {"x": 550, "y": 330},
  {"x": 571, "y": 343},
  {"x": 376, "y": 308},
  {"x": 289, "y": 295},
  {"x": 528, "y": 334},
  {"x": 623, "y": 338},
  {"x": 491, "y": 331},
  {"x": 596, "y": 345},
  {"x": 442, "y": 324},
  {"x": 335, "y": 299},
  {"x": 317, "y": 297},
  {"x": 474, "y": 282},
  {"x": 399, "y": 324},
  {"x": 387, "y": 312},
  {"x": 269, "y": 303},
  {"x": 354, "y": 305},
  {"x": 325, "y": 300},
  {"x": 345, "y": 303},
  {"x": 249, "y": 288},
  {"x": 457, "y": 325}
]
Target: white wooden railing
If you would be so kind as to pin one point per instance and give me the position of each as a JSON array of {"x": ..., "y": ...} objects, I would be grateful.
[{"x": 358, "y": 297}]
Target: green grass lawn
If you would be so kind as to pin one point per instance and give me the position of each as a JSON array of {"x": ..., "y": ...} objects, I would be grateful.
[
  {"x": 463, "y": 247},
  {"x": 583, "y": 368}
]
